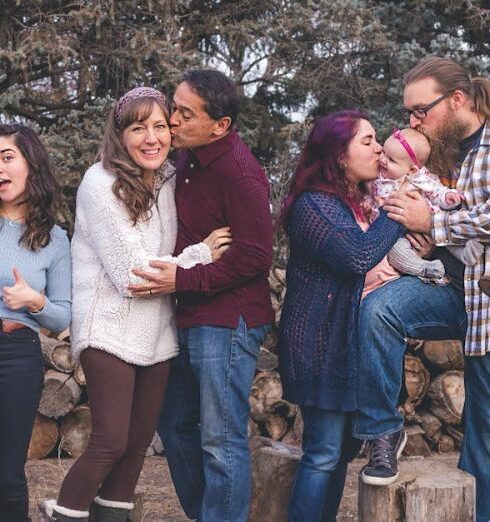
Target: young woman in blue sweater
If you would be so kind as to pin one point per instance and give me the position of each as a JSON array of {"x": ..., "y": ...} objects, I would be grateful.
[
  {"x": 330, "y": 255},
  {"x": 35, "y": 286}
]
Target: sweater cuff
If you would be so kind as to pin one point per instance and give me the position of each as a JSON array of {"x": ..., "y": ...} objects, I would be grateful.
[
  {"x": 184, "y": 279},
  {"x": 52, "y": 316},
  {"x": 440, "y": 228}
]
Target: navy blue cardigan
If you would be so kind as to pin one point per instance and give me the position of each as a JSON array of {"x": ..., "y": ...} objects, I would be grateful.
[{"x": 329, "y": 257}]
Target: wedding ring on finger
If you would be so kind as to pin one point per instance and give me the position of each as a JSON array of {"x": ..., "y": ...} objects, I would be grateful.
[{"x": 216, "y": 246}]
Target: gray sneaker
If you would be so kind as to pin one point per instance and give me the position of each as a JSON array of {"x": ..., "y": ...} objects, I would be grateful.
[{"x": 382, "y": 468}]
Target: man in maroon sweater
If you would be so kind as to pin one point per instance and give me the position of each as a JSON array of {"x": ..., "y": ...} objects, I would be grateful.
[{"x": 224, "y": 308}]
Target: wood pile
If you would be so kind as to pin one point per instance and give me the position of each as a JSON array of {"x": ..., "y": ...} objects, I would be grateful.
[
  {"x": 63, "y": 418},
  {"x": 431, "y": 400}
]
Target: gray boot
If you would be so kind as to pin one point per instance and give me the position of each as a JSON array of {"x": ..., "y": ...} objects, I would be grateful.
[
  {"x": 50, "y": 511},
  {"x": 103, "y": 510}
]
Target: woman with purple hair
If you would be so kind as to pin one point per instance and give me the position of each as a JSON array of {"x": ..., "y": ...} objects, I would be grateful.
[
  {"x": 331, "y": 250},
  {"x": 125, "y": 218}
]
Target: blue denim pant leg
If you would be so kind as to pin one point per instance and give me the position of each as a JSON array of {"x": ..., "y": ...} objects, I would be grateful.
[
  {"x": 406, "y": 307},
  {"x": 179, "y": 430},
  {"x": 204, "y": 420},
  {"x": 319, "y": 481},
  {"x": 475, "y": 452}
]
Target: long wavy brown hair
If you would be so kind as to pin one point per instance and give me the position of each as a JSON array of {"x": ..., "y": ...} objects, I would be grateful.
[
  {"x": 42, "y": 191},
  {"x": 129, "y": 186}
]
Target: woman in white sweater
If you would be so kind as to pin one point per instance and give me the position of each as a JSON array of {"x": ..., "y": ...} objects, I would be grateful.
[{"x": 125, "y": 218}]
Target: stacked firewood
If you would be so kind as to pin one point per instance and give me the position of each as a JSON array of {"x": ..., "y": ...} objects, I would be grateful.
[
  {"x": 431, "y": 400},
  {"x": 63, "y": 418}
]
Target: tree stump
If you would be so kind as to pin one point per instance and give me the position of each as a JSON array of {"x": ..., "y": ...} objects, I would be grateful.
[
  {"x": 435, "y": 493},
  {"x": 273, "y": 469},
  {"x": 44, "y": 437},
  {"x": 60, "y": 394},
  {"x": 75, "y": 431}
]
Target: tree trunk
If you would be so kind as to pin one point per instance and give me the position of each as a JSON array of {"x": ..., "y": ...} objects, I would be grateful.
[
  {"x": 44, "y": 437},
  {"x": 60, "y": 394},
  {"x": 435, "y": 493},
  {"x": 273, "y": 469},
  {"x": 75, "y": 431}
]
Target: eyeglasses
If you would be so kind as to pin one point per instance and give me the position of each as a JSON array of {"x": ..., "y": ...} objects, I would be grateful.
[{"x": 421, "y": 112}]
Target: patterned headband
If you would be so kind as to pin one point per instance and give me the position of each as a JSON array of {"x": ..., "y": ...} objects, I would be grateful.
[
  {"x": 404, "y": 143},
  {"x": 134, "y": 94}
]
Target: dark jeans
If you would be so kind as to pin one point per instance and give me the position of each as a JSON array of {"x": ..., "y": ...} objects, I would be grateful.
[
  {"x": 21, "y": 381},
  {"x": 125, "y": 401},
  {"x": 204, "y": 420},
  {"x": 320, "y": 478}
]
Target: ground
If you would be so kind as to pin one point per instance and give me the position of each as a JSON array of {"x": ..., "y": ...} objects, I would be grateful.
[{"x": 160, "y": 501}]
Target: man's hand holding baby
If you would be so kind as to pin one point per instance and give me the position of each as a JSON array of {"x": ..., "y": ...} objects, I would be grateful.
[{"x": 411, "y": 210}]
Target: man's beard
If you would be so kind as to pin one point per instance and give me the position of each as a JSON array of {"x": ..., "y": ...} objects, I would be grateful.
[{"x": 445, "y": 144}]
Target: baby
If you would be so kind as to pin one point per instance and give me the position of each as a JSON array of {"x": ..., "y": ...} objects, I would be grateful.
[{"x": 402, "y": 168}]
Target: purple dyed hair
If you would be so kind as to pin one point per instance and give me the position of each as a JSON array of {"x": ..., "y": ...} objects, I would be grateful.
[{"x": 319, "y": 168}]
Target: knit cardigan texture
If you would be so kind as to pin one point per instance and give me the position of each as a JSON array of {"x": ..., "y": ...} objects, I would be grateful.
[
  {"x": 106, "y": 247},
  {"x": 318, "y": 334}
]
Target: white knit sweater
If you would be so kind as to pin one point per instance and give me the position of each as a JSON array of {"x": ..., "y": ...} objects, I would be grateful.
[{"x": 105, "y": 248}]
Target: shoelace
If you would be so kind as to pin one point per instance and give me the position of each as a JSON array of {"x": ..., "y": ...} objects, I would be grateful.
[{"x": 380, "y": 451}]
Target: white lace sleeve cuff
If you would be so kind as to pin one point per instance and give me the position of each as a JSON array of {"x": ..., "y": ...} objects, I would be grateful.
[{"x": 191, "y": 256}]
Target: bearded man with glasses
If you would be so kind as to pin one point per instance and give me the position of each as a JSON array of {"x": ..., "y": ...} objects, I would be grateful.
[{"x": 453, "y": 110}]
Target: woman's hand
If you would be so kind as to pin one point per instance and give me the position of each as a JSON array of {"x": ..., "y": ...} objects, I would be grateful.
[
  {"x": 22, "y": 295},
  {"x": 422, "y": 243},
  {"x": 219, "y": 242}
]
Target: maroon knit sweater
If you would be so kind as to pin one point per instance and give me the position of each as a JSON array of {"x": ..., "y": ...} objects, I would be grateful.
[{"x": 220, "y": 185}]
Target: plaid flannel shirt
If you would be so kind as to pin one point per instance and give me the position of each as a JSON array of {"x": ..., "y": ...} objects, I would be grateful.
[{"x": 472, "y": 221}]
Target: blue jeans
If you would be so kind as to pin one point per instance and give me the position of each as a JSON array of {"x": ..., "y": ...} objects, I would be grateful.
[
  {"x": 320, "y": 478},
  {"x": 21, "y": 382},
  {"x": 475, "y": 452},
  {"x": 204, "y": 420},
  {"x": 406, "y": 307}
]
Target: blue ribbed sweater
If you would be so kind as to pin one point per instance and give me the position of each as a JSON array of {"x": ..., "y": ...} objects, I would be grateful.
[
  {"x": 47, "y": 270},
  {"x": 329, "y": 257}
]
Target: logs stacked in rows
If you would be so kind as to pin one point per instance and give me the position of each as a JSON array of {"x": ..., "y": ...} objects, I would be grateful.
[
  {"x": 432, "y": 398},
  {"x": 62, "y": 414}
]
